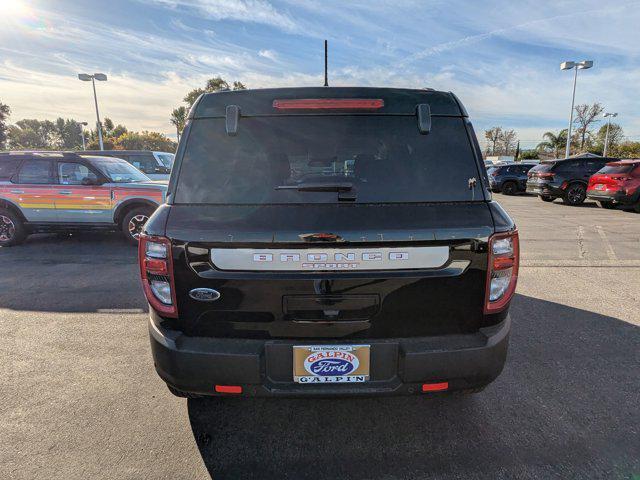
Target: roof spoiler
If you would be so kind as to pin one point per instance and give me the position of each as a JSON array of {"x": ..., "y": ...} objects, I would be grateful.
[{"x": 423, "y": 112}]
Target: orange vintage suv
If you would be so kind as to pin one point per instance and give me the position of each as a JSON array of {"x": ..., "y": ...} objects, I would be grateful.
[{"x": 49, "y": 191}]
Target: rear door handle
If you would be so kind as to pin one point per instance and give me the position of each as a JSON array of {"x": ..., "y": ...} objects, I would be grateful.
[
  {"x": 17, "y": 191},
  {"x": 64, "y": 192}
]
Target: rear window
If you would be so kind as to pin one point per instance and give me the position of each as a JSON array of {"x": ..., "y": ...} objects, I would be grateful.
[
  {"x": 384, "y": 158},
  {"x": 542, "y": 167},
  {"x": 608, "y": 169}
]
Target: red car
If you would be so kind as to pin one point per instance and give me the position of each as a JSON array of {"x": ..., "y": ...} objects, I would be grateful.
[{"x": 618, "y": 183}]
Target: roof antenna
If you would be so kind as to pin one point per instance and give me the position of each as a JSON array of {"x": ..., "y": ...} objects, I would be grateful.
[{"x": 326, "y": 76}]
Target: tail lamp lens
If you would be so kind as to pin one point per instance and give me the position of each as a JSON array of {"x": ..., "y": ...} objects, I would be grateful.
[
  {"x": 502, "y": 271},
  {"x": 156, "y": 271},
  {"x": 162, "y": 290}
]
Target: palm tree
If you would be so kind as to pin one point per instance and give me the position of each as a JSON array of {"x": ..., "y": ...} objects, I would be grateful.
[
  {"x": 179, "y": 118},
  {"x": 553, "y": 143}
]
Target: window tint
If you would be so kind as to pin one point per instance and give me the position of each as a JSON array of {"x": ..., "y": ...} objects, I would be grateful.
[
  {"x": 569, "y": 166},
  {"x": 615, "y": 169},
  {"x": 73, "y": 173},
  {"x": 8, "y": 166},
  {"x": 384, "y": 158},
  {"x": 36, "y": 171},
  {"x": 146, "y": 163},
  {"x": 595, "y": 165}
]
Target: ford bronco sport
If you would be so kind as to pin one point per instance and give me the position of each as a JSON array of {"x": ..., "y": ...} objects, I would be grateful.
[
  {"x": 328, "y": 241},
  {"x": 43, "y": 192}
]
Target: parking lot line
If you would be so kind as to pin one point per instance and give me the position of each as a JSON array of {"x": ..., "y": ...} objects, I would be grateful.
[{"x": 607, "y": 245}]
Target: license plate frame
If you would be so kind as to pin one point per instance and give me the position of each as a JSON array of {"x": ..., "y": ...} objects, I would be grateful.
[{"x": 319, "y": 364}]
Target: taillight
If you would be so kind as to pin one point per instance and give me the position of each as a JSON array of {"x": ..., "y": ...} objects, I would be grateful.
[
  {"x": 548, "y": 176},
  {"x": 502, "y": 270},
  {"x": 329, "y": 104},
  {"x": 156, "y": 271},
  {"x": 494, "y": 174}
]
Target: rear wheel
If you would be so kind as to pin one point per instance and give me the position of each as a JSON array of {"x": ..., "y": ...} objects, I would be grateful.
[
  {"x": 607, "y": 205},
  {"x": 133, "y": 223},
  {"x": 12, "y": 231},
  {"x": 546, "y": 198},
  {"x": 575, "y": 194},
  {"x": 509, "y": 188},
  {"x": 636, "y": 207}
]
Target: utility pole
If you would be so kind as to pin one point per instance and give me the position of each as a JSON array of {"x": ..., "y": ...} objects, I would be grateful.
[{"x": 606, "y": 137}]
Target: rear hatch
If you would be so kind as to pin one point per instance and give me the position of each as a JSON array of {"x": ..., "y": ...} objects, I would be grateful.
[
  {"x": 330, "y": 224},
  {"x": 610, "y": 178}
]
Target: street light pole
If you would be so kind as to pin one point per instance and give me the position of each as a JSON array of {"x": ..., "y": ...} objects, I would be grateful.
[
  {"x": 606, "y": 137},
  {"x": 82, "y": 125},
  {"x": 95, "y": 99},
  {"x": 568, "y": 66},
  {"x": 102, "y": 78}
]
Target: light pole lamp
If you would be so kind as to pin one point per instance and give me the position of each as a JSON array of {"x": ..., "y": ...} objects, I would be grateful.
[
  {"x": 101, "y": 77},
  {"x": 82, "y": 125},
  {"x": 608, "y": 116},
  {"x": 583, "y": 65}
]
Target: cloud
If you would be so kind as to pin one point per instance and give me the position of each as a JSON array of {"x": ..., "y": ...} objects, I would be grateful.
[
  {"x": 270, "y": 54},
  {"x": 252, "y": 11}
]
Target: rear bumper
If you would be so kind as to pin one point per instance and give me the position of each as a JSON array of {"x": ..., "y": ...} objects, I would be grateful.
[
  {"x": 609, "y": 196},
  {"x": 264, "y": 367},
  {"x": 544, "y": 189}
]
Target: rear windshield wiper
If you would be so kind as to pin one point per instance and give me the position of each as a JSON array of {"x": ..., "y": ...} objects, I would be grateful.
[{"x": 318, "y": 187}]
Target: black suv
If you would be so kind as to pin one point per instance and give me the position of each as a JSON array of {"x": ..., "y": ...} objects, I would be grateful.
[
  {"x": 566, "y": 179},
  {"x": 509, "y": 179},
  {"x": 328, "y": 241}
]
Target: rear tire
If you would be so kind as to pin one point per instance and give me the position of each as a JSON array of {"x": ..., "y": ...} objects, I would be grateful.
[
  {"x": 607, "y": 205},
  {"x": 575, "y": 194},
  {"x": 546, "y": 198},
  {"x": 133, "y": 223},
  {"x": 12, "y": 231},
  {"x": 509, "y": 188},
  {"x": 636, "y": 207}
]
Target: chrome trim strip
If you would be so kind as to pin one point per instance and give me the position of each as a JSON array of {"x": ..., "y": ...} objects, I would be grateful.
[{"x": 329, "y": 259}]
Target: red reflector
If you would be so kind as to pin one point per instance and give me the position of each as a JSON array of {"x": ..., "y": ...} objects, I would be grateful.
[
  {"x": 154, "y": 265},
  {"x": 435, "y": 387},
  {"x": 500, "y": 263},
  {"x": 228, "y": 389},
  {"x": 329, "y": 104}
]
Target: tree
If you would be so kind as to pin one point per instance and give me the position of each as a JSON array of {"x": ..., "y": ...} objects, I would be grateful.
[
  {"x": 32, "y": 134},
  {"x": 178, "y": 119},
  {"x": 585, "y": 116},
  {"x": 66, "y": 134},
  {"x": 553, "y": 143},
  {"x": 5, "y": 111},
  {"x": 214, "y": 84},
  {"x": 616, "y": 135},
  {"x": 507, "y": 141},
  {"x": 144, "y": 140},
  {"x": 529, "y": 154},
  {"x": 493, "y": 136},
  {"x": 626, "y": 150}
]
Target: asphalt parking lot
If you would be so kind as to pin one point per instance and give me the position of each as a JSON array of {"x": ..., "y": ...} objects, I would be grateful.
[{"x": 80, "y": 398}]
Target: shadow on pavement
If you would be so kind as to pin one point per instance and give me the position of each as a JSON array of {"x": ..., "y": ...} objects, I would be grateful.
[
  {"x": 84, "y": 272},
  {"x": 565, "y": 407}
]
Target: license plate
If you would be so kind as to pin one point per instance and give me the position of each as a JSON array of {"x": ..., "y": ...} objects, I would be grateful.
[
  {"x": 313, "y": 364},
  {"x": 599, "y": 186}
]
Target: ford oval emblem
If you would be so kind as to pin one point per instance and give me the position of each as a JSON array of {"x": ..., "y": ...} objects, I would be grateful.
[
  {"x": 325, "y": 366},
  {"x": 204, "y": 294}
]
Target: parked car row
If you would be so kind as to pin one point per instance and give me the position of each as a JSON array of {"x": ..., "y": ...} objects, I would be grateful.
[
  {"x": 63, "y": 191},
  {"x": 608, "y": 181}
]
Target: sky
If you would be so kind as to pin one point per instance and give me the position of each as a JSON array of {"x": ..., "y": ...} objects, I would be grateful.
[{"x": 501, "y": 57}]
